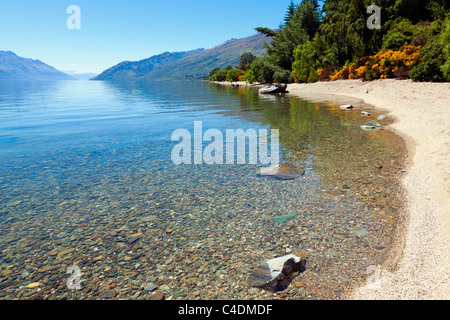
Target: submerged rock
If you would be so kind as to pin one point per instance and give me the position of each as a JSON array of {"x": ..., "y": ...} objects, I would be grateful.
[
  {"x": 276, "y": 274},
  {"x": 148, "y": 219},
  {"x": 371, "y": 125},
  {"x": 151, "y": 288},
  {"x": 33, "y": 285},
  {"x": 286, "y": 218},
  {"x": 381, "y": 118},
  {"x": 284, "y": 171},
  {"x": 360, "y": 233}
]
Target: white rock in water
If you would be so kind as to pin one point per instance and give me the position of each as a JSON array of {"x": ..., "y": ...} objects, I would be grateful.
[
  {"x": 381, "y": 118},
  {"x": 276, "y": 274},
  {"x": 269, "y": 171},
  {"x": 346, "y": 107},
  {"x": 283, "y": 171},
  {"x": 276, "y": 265},
  {"x": 365, "y": 114},
  {"x": 371, "y": 125}
]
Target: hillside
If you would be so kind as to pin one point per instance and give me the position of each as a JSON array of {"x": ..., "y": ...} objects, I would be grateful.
[
  {"x": 131, "y": 70},
  {"x": 186, "y": 65},
  {"x": 13, "y": 67}
]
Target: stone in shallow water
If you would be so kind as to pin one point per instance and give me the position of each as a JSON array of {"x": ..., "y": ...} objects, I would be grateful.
[
  {"x": 284, "y": 171},
  {"x": 33, "y": 285},
  {"x": 151, "y": 288},
  {"x": 286, "y": 218},
  {"x": 276, "y": 274},
  {"x": 108, "y": 294},
  {"x": 371, "y": 125},
  {"x": 360, "y": 233},
  {"x": 148, "y": 219}
]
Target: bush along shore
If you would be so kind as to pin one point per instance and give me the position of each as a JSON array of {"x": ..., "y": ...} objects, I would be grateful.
[{"x": 334, "y": 42}]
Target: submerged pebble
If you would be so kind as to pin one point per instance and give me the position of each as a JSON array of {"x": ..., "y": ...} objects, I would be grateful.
[{"x": 144, "y": 228}]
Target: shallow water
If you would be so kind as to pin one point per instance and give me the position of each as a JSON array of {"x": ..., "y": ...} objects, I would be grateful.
[{"x": 86, "y": 179}]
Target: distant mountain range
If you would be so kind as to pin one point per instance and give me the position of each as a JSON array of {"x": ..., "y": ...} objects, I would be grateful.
[
  {"x": 13, "y": 67},
  {"x": 80, "y": 76},
  {"x": 127, "y": 70},
  {"x": 194, "y": 64}
]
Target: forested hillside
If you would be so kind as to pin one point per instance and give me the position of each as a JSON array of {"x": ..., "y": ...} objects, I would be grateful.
[{"x": 338, "y": 41}]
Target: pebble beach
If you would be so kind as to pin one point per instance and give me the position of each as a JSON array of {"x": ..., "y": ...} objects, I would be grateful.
[{"x": 152, "y": 234}]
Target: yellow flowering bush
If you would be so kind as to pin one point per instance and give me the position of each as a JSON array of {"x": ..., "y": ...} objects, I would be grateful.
[
  {"x": 325, "y": 73},
  {"x": 384, "y": 65}
]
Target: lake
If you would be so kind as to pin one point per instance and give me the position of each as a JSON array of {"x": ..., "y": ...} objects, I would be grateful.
[{"x": 87, "y": 180}]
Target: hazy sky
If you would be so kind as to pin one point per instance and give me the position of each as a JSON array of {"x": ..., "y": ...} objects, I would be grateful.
[{"x": 116, "y": 30}]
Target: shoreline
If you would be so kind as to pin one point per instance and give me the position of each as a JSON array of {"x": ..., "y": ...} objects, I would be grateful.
[
  {"x": 421, "y": 253},
  {"x": 418, "y": 266}
]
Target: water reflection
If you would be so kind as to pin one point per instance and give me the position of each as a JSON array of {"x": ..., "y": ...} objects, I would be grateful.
[{"x": 88, "y": 168}]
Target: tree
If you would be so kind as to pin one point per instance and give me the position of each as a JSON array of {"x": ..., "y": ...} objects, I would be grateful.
[
  {"x": 290, "y": 12},
  {"x": 414, "y": 10},
  {"x": 233, "y": 75},
  {"x": 261, "y": 70},
  {"x": 344, "y": 27},
  {"x": 219, "y": 75},
  {"x": 245, "y": 61},
  {"x": 212, "y": 72},
  {"x": 266, "y": 31},
  {"x": 301, "y": 27},
  {"x": 439, "y": 9},
  {"x": 305, "y": 64},
  {"x": 402, "y": 32},
  {"x": 446, "y": 44}
]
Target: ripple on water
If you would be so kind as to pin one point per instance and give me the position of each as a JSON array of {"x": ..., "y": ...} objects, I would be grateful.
[{"x": 129, "y": 218}]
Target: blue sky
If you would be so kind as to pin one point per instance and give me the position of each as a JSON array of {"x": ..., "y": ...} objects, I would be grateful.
[{"x": 113, "y": 31}]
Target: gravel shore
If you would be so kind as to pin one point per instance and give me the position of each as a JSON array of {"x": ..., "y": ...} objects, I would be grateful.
[{"x": 421, "y": 111}]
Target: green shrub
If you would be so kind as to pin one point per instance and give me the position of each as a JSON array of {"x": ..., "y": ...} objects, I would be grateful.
[
  {"x": 233, "y": 74},
  {"x": 432, "y": 59},
  {"x": 445, "y": 68},
  {"x": 219, "y": 75},
  {"x": 212, "y": 73},
  {"x": 261, "y": 70},
  {"x": 402, "y": 32},
  {"x": 435, "y": 55},
  {"x": 304, "y": 66},
  {"x": 282, "y": 76}
]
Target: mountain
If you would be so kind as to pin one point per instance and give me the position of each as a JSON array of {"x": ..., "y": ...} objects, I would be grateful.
[
  {"x": 129, "y": 70},
  {"x": 13, "y": 67},
  {"x": 194, "y": 64},
  {"x": 80, "y": 76}
]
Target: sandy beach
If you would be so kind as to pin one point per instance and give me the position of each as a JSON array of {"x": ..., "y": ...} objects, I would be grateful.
[{"x": 421, "y": 112}]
